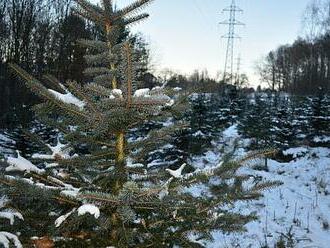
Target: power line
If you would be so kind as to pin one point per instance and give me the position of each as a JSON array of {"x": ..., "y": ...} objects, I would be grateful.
[
  {"x": 231, "y": 36},
  {"x": 205, "y": 17}
]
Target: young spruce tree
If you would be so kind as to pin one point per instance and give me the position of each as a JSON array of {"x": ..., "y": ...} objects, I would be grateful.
[{"x": 106, "y": 196}]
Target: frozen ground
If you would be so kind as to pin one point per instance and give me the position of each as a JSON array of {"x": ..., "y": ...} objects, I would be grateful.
[{"x": 300, "y": 208}]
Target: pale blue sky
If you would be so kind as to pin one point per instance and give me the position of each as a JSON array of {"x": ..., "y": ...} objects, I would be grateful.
[{"x": 185, "y": 34}]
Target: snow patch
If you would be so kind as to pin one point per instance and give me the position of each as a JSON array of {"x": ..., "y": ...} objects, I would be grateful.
[
  {"x": 295, "y": 152},
  {"x": 322, "y": 139},
  {"x": 57, "y": 151},
  {"x": 70, "y": 192},
  {"x": 90, "y": 209},
  {"x": 302, "y": 202},
  {"x": 176, "y": 173},
  {"x": 230, "y": 132},
  {"x": 62, "y": 218},
  {"x": 116, "y": 93},
  {"x": 7, "y": 238},
  {"x": 10, "y": 215},
  {"x": 198, "y": 134},
  {"x": 170, "y": 103},
  {"x": 22, "y": 164},
  {"x": 130, "y": 164},
  {"x": 155, "y": 93},
  {"x": 68, "y": 98},
  {"x": 142, "y": 93}
]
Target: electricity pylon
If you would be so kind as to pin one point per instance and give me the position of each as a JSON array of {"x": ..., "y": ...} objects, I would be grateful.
[{"x": 232, "y": 22}]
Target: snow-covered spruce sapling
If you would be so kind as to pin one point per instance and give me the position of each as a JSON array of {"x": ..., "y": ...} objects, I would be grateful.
[
  {"x": 256, "y": 123},
  {"x": 107, "y": 196},
  {"x": 319, "y": 120}
]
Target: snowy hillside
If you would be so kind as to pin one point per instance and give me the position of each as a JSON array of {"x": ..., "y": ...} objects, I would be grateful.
[{"x": 300, "y": 207}]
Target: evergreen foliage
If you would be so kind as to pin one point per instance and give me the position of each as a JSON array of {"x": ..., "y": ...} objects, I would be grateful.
[
  {"x": 256, "y": 123},
  {"x": 319, "y": 119},
  {"x": 106, "y": 195},
  {"x": 280, "y": 121}
]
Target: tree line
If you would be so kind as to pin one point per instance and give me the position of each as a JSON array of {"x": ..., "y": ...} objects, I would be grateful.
[
  {"x": 304, "y": 66},
  {"x": 41, "y": 36}
]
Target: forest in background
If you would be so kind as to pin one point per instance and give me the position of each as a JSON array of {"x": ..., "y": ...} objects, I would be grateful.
[
  {"x": 302, "y": 67},
  {"x": 41, "y": 36}
]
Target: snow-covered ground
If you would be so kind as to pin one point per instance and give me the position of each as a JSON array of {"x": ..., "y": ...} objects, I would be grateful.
[{"x": 301, "y": 206}]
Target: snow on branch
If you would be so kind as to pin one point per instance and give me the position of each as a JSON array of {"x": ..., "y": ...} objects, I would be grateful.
[
  {"x": 68, "y": 98},
  {"x": 22, "y": 164},
  {"x": 116, "y": 93},
  {"x": 155, "y": 93},
  {"x": 7, "y": 238},
  {"x": 58, "y": 151},
  {"x": 90, "y": 209},
  {"x": 10, "y": 215},
  {"x": 142, "y": 93},
  {"x": 62, "y": 218},
  {"x": 176, "y": 173}
]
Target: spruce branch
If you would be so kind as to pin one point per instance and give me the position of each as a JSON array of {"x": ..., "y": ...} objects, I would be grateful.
[
  {"x": 90, "y": 11},
  {"x": 99, "y": 46},
  {"x": 108, "y": 6},
  {"x": 53, "y": 83},
  {"x": 79, "y": 91},
  {"x": 100, "y": 59},
  {"x": 36, "y": 87},
  {"x": 265, "y": 186},
  {"x": 132, "y": 8},
  {"x": 98, "y": 90},
  {"x": 45, "y": 179},
  {"x": 258, "y": 155},
  {"x": 135, "y": 19}
]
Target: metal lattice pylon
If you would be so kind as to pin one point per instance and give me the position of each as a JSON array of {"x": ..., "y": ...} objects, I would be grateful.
[{"x": 232, "y": 22}]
